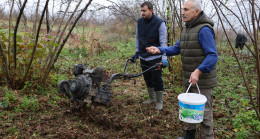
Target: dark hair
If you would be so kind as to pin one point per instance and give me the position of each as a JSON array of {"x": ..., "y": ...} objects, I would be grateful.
[{"x": 148, "y": 4}]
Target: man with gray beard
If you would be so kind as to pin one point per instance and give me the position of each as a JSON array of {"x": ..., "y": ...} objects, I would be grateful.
[{"x": 199, "y": 57}]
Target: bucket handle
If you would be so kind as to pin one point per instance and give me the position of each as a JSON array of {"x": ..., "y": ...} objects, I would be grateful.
[{"x": 190, "y": 86}]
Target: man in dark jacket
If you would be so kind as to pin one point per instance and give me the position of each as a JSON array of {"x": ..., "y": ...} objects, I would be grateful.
[
  {"x": 151, "y": 31},
  {"x": 199, "y": 57}
]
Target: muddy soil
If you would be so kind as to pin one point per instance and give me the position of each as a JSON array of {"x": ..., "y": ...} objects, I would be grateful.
[{"x": 124, "y": 117}]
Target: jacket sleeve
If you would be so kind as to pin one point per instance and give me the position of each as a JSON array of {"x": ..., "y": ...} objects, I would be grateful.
[
  {"x": 171, "y": 50},
  {"x": 207, "y": 42},
  {"x": 136, "y": 39},
  {"x": 163, "y": 37}
]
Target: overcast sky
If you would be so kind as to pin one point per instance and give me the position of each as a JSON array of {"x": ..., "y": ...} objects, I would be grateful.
[{"x": 31, "y": 4}]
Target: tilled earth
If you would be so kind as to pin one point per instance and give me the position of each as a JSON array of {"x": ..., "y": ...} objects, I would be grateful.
[{"x": 124, "y": 117}]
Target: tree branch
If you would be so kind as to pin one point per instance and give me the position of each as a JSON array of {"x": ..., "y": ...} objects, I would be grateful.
[
  {"x": 241, "y": 69},
  {"x": 35, "y": 43},
  {"x": 5, "y": 65},
  {"x": 64, "y": 41},
  {"x": 15, "y": 30}
]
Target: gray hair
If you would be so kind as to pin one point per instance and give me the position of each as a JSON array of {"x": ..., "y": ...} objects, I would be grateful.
[{"x": 196, "y": 4}]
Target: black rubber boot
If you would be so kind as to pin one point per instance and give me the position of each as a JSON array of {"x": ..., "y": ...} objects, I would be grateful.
[{"x": 190, "y": 134}]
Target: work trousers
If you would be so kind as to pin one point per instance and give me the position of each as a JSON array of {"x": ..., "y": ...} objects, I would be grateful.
[
  {"x": 206, "y": 126},
  {"x": 153, "y": 78}
]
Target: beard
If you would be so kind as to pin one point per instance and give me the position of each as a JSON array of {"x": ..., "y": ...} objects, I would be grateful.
[{"x": 146, "y": 17}]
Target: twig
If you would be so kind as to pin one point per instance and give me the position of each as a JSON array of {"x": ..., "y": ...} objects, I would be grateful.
[{"x": 141, "y": 111}]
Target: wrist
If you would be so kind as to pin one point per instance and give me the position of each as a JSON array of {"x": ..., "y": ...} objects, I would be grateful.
[
  {"x": 197, "y": 71},
  {"x": 160, "y": 51}
]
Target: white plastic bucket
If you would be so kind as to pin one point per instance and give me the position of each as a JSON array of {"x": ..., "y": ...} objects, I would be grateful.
[{"x": 192, "y": 106}]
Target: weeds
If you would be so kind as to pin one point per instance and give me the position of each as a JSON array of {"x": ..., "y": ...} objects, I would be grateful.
[
  {"x": 9, "y": 99},
  {"x": 30, "y": 103},
  {"x": 244, "y": 122},
  {"x": 232, "y": 108}
]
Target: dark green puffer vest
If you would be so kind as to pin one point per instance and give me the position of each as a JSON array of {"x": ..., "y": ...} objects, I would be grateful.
[{"x": 192, "y": 54}]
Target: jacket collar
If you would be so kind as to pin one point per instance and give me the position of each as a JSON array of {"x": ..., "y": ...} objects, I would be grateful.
[{"x": 191, "y": 23}]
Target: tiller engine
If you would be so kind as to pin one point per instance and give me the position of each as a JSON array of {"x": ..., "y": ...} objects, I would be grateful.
[{"x": 87, "y": 88}]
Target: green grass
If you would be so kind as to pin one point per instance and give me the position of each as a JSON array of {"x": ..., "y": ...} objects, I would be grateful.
[{"x": 232, "y": 99}]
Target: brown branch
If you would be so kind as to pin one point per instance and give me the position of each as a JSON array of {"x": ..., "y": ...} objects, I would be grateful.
[
  {"x": 47, "y": 20},
  {"x": 5, "y": 65},
  {"x": 35, "y": 43},
  {"x": 72, "y": 15},
  {"x": 24, "y": 17},
  {"x": 121, "y": 10},
  {"x": 9, "y": 36},
  {"x": 177, "y": 15},
  {"x": 59, "y": 28},
  {"x": 241, "y": 69},
  {"x": 234, "y": 29},
  {"x": 36, "y": 16},
  {"x": 64, "y": 41},
  {"x": 159, "y": 8},
  {"x": 15, "y": 30},
  {"x": 242, "y": 17},
  {"x": 255, "y": 4},
  {"x": 246, "y": 29},
  {"x": 257, "y": 53},
  {"x": 246, "y": 16},
  {"x": 50, "y": 55}
]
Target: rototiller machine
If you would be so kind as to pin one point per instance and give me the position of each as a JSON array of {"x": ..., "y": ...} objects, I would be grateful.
[{"x": 87, "y": 86}]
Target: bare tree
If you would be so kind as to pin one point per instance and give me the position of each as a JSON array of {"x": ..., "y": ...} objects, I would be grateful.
[
  {"x": 52, "y": 62},
  {"x": 19, "y": 73},
  {"x": 36, "y": 42},
  {"x": 36, "y": 16},
  {"x": 9, "y": 36},
  {"x": 252, "y": 32},
  {"x": 50, "y": 56},
  {"x": 124, "y": 9},
  {"x": 15, "y": 30},
  {"x": 174, "y": 23},
  {"x": 24, "y": 17}
]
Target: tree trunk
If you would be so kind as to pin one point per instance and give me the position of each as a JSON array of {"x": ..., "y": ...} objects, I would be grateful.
[
  {"x": 36, "y": 16},
  {"x": 47, "y": 20},
  {"x": 50, "y": 56},
  {"x": 9, "y": 36},
  {"x": 46, "y": 74},
  {"x": 35, "y": 44},
  {"x": 24, "y": 17},
  {"x": 5, "y": 65},
  {"x": 255, "y": 33},
  {"x": 15, "y": 30}
]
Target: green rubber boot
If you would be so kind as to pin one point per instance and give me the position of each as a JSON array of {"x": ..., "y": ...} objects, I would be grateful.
[
  {"x": 151, "y": 98},
  {"x": 159, "y": 100}
]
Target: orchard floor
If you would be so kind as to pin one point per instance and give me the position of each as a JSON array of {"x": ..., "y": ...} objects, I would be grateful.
[{"x": 124, "y": 117}]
